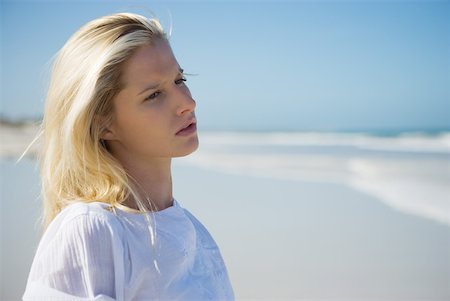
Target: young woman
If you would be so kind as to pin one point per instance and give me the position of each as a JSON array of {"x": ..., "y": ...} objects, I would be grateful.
[{"x": 117, "y": 111}]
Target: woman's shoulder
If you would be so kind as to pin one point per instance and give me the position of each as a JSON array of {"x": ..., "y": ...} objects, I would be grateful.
[
  {"x": 80, "y": 253},
  {"x": 79, "y": 208},
  {"x": 87, "y": 217},
  {"x": 81, "y": 226}
]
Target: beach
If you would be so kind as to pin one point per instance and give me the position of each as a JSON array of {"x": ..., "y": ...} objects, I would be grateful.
[
  {"x": 289, "y": 241},
  {"x": 297, "y": 216},
  {"x": 323, "y": 169}
]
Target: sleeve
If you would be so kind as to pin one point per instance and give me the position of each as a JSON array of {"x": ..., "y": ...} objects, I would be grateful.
[{"x": 80, "y": 262}]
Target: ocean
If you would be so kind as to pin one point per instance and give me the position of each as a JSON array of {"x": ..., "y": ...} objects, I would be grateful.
[
  {"x": 409, "y": 172},
  {"x": 297, "y": 215}
]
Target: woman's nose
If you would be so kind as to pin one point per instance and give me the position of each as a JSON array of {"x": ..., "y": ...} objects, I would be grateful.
[{"x": 186, "y": 103}]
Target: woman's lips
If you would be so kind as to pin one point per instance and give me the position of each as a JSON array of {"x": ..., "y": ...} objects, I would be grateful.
[{"x": 189, "y": 130}]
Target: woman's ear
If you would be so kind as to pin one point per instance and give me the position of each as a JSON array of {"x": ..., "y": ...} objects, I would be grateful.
[
  {"x": 107, "y": 128},
  {"x": 108, "y": 133}
]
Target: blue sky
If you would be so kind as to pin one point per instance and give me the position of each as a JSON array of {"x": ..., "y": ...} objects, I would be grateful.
[{"x": 272, "y": 65}]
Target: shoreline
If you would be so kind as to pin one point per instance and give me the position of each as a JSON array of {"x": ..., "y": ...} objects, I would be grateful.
[
  {"x": 407, "y": 173},
  {"x": 281, "y": 240}
]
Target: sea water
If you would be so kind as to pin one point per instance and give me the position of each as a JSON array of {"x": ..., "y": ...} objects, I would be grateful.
[{"x": 408, "y": 171}]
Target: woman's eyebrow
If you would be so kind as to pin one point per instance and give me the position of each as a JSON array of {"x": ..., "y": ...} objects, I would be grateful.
[{"x": 154, "y": 86}]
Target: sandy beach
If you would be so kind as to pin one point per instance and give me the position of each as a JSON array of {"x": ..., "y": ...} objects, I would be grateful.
[
  {"x": 282, "y": 238},
  {"x": 290, "y": 240}
]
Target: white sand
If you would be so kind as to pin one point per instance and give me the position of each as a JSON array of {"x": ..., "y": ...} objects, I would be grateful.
[{"x": 281, "y": 240}]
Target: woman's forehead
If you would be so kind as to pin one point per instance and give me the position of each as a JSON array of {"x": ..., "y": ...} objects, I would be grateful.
[{"x": 150, "y": 63}]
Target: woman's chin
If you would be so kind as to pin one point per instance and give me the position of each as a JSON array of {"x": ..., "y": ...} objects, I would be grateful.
[{"x": 188, "y": 148}]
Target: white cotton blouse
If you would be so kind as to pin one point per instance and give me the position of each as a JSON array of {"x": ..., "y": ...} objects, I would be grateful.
[{"x": 89, "y": 252}]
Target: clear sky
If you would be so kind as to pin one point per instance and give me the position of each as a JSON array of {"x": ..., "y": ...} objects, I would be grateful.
[{"x": 272, "y": 65}]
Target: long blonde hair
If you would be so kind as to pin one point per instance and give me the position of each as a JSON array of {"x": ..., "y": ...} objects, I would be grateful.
[{"x": 86, "y": 75}]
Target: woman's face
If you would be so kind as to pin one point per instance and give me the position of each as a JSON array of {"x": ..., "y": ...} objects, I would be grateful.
[{"x": 154, "y": 107}]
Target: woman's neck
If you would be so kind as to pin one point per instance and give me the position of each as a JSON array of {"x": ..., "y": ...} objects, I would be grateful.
[{"x": 153, "y": 180}]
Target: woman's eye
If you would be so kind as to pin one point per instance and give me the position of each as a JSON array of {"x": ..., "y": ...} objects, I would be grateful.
[
  {"x": 153, "y": 95},
  {"x": 157, "y": 93},
  {"x": 180, "y": 81}
]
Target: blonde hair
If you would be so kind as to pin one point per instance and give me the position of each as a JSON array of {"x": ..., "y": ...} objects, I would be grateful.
[{"x": 86, "y": 75}]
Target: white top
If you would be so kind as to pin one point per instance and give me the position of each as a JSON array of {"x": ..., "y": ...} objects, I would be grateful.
[{"x": 91, "y": 253}]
